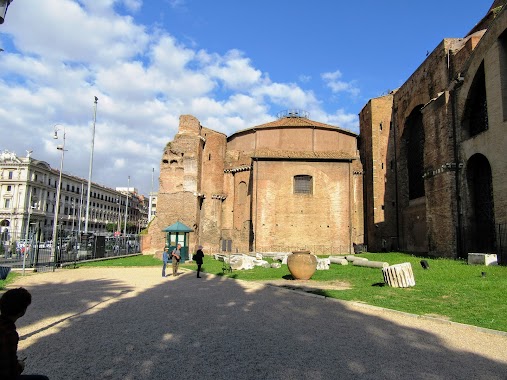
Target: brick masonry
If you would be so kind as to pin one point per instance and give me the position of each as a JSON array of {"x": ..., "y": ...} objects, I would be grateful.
[
  {"x": 440, "y": 93},
  {"x": 241, "y": 188}
]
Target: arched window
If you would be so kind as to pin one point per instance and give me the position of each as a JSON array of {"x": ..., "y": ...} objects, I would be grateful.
[
  {"x": 242, "y": 193},
  {"x": 303, "y": 184},
  {"x": 475, "y": 118},
  {"x": 414, "y": 135},
  {"x": 482, "y": 237}
]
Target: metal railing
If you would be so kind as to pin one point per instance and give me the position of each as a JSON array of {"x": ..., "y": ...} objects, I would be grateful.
[
  {"x": 485, "y": 240},
  {"x": 502, "y": 243},
  {"x": 315, "y": 249},
  {"x": 18, "y": 252}
]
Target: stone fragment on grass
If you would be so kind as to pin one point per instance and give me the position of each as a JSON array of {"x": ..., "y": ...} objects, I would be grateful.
[
  {"x": 323, "y": 264},
  {"x": 338, "y": 260}
]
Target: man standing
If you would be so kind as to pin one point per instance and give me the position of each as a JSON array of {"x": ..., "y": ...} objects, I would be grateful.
[
  {"x": 13, "y": 305},
  {"x": 175, "y": 256},
  {"x": 165, "y": 260}
]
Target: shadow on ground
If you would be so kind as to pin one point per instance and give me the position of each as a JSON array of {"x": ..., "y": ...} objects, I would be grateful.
[{"x": 216, "y": 328}]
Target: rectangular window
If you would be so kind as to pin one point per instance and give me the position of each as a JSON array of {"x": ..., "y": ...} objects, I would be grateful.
[
  {"x": 9, "y": 188},
  {"x": 303, "y": 184},
  {"x": 7, "y": 203},
  {"x": 11, "y": 175}
]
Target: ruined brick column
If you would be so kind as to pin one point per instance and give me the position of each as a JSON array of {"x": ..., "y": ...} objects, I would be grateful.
[{"x": 178, "y": 183}]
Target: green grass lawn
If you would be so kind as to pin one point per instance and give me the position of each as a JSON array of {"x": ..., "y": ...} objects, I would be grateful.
[
  {"x": 10, "y": 278},
  {"x": 449, "y": 289},
  {"x": 131, "y": 261}
]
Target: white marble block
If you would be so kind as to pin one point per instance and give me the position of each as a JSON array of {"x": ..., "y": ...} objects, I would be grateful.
[{"x": 482, "y": 259}]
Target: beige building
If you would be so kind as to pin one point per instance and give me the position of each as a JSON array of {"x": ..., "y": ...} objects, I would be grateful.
[
  {"x": 290, "y": 184},
  {"x": 28, "y": 189},
  {"x": 433, "y": 150}
]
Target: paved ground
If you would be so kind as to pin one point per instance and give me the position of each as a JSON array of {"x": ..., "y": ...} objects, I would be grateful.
[{"x": 133, "y": 324}]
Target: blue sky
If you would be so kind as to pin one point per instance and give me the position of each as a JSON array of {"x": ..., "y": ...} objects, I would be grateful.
[{"x": 232, "y": 64}]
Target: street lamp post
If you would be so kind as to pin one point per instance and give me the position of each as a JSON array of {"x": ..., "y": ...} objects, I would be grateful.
[
  {"x": 151, "y": 194},
  {"x": 126, "y": 208},
  {"x": 118, "y": 227},
  {"x": 80, "y": 211},
  {"x": 27, "y": 231},
  {"x": 91, "y": 167},
  {"x": 58, "y": 191}
]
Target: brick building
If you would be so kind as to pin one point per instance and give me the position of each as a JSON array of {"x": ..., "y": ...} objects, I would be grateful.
[
  {"x": 290, "y": 184},
  {"x": 433, "y": 150}
]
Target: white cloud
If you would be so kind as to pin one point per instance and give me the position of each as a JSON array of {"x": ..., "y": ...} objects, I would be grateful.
[
  {"x": 234, "y": 71},
  {"x": 176, "y": 3},
  {"x": 133, "y": 5},
  {"x": 304, "y": 78},
  {"x": 97, "y": 37},
  {"x": 340, "y": 118},
  {"x": 75, "y": 50},
  {"x": 286, "y": 95},
  {"x": 119, "y": 163},
  {"x": 332, "y": 80}
]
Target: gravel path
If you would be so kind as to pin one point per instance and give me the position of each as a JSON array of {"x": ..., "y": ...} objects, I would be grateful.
[{"x": 130, "y": 323}]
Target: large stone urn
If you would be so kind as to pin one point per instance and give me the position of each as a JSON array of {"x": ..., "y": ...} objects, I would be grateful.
[{"x": 302, "y": 265}]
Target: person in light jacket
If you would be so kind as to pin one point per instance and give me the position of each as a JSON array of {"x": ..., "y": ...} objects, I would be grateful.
[
  {"x": 165, "y": 260},
  {"x": 175, "y": 257}
]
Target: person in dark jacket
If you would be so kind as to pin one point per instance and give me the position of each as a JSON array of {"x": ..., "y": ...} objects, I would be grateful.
[
  {"x": 13, "y": 305},
  {"x": 198, "y": 257}
]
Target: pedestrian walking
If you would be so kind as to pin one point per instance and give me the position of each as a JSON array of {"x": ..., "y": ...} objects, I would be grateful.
[
  {"x": 198, "y": 257},
  {"x": 13, "y": 305},
  {"x": 165, "y": 260},
  {"x": 175, "y": 257}
]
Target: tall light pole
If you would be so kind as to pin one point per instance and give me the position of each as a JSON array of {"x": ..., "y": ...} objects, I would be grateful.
[
  {"x": 27, "y": 245},
  {"x": 126, "y": 209},
  {"x": 73, "y": 214},
  {"x": 58, "y": 191},
  {"x": 118, "y": 227},
  {"x": 91, "y": 166},
  {"x": 80, "y": 211},
  {"x": 151, "y": 194}
]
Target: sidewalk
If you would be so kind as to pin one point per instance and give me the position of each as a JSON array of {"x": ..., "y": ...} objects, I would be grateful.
[{"x": 130, "y": 323}]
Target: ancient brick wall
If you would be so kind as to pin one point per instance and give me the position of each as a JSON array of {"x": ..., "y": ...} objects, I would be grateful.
[
  {"x": 438, "y": 91},
  {"x": 211, "y": 190},
  {"x": 178, "y": 181},
  {"x": 431, "y": 78},
  {"x": 378, "y": 160},
  {"x": 217, "y": 187},
  {"x": 284, "y": 219},
  {"x": 440, "y": 181},
  {"x": 491, "y": 52}
]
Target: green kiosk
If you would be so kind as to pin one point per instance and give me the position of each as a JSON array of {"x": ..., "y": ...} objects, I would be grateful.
[{"x": 177, "y": 233}]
